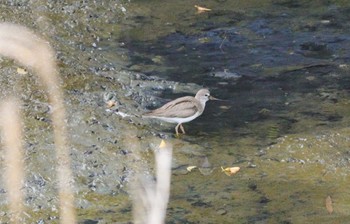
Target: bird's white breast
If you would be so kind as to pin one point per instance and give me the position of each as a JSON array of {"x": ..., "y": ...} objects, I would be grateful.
[{"x": 178, "y": 119}]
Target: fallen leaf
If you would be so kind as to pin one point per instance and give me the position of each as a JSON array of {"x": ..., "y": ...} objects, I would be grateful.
[
  {"x": 329, "y": 204},
  {"x": 111, "y": 103},
  {"x": 22, "y": 71},
  {"x": 201, "y": 9},
  {"x": 190, "y": 168},
  {"x": 230, "y": 171},
  {"x": 162, "y": 144}
]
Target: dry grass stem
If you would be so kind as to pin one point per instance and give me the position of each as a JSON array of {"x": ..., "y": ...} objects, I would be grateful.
[
  {"x": 19, "y": 43},
  {"x": 151, "y": 199},
  {"x": 14, "y": 168}
]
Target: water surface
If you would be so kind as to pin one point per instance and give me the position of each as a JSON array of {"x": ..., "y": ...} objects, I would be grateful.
[{"x": 283, "y": 67}]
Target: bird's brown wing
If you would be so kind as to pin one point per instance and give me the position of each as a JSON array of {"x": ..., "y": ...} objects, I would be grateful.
[{"x": 181, "y": 107}]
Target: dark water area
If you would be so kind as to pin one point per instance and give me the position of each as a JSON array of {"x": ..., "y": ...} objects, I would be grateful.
[{"x": 256, "y": 56}]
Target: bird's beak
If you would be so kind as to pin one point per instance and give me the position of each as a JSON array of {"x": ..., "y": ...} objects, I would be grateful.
[{"x": 213, "y": 98}]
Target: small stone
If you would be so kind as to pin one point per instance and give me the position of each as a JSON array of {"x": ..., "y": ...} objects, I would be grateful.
[
  {"x": 251, "y": 165},
  {"x": 221, "y": 212}
]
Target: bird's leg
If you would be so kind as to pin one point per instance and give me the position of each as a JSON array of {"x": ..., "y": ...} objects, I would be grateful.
[
  {"x": 177, "y": 130},
  {"x": 182, "y": 129}
]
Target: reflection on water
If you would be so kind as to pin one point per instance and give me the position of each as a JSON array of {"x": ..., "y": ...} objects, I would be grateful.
[{"x": 283, "y": 68}]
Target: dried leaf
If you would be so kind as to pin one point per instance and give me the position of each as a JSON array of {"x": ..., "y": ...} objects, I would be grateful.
[
  {"x": 329, "y": 204},
  {"x": 162, "y": 144},
  {"x": 22, "y": 71},
  {"x": 201, "y": 9},
  {"x": 190, "y": 168},
  {"x": 111, "y": 103},
  {"x": 230, "y": 171}
]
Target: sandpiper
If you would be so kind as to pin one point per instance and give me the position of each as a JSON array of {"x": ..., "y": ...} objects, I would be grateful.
[{"x": 182, "y": 110}]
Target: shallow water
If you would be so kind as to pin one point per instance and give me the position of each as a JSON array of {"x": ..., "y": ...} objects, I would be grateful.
[{"x": 281, "y": 67}]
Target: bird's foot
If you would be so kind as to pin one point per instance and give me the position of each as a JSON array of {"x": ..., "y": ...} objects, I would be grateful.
[{"x": 178, "y": 135}]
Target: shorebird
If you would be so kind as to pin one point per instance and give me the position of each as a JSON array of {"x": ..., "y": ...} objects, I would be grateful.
[{"x": 182, "y": 110}]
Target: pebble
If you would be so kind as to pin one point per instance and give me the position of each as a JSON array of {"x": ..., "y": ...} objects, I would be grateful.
[{"x": 221, "y": 212}]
